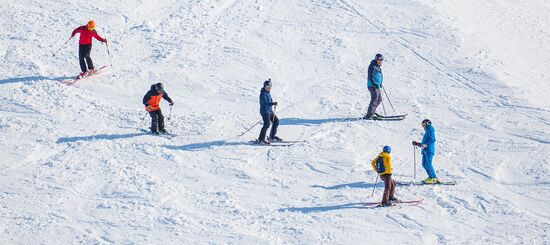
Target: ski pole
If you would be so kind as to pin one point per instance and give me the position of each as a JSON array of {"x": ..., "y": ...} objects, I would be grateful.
[
  {"x": 414, "y": 157},
  {"x": 62, "y": 46},
  {"x": 109, "y": 54},
  {"x": 374, "y": 187},
  {"x": 170, "y": 114},
  {"x": 388, "y": 99},
  {"x": 251, "y": 127},
  {"x": 258, "y": 122},
  {"x": 139, "y": 125},
  {"x": 383, "y": 107}
]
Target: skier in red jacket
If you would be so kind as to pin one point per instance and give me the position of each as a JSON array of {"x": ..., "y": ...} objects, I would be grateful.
[{"x": 85, "y": 46}]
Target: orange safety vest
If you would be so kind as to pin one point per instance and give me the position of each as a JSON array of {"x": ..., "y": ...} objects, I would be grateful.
[{"x": 154, "y": 102}]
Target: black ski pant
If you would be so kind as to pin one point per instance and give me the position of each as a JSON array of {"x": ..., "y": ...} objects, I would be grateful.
[
  {"x": 375, "y": 100},
  {"x": 157, "y": 120},
  {"x": 84, "y": 57},
  {"x": 268, "y": 118}
]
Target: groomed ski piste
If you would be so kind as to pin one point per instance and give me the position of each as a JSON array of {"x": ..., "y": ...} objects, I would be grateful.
[{"x": 75, "y": 169}]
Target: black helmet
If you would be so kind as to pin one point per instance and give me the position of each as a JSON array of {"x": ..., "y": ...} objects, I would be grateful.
[
  {"x": 426, "y": 122},
  {"x": 267, "y": 83},
  {"x": 159, "y": 88},
  {"x": 379, "y": 57}
]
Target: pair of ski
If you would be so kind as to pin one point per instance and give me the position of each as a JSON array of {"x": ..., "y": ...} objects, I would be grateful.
[
  {"x": 378, "y": 117},
  {"x": 277, "y": 143},
  {"x": 394, "y": 203},
  {"x": 164, "y": 135},
  {"x": 422, "y": 183},
  {"x": 86, "y": 76}
]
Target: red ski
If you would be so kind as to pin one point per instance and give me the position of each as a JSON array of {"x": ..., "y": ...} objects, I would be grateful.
[
  {"x": 407, "y": 203},
  {"x": 73, "y": 81}
]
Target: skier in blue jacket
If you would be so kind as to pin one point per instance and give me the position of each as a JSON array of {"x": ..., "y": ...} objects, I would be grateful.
[
  {"x": 374, "y": 83},
  {"x": 428, "y": 150},
  {"x": 266, "y": 110}
]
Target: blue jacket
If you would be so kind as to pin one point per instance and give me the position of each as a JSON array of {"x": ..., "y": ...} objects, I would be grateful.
[
  {"x": 266, "y": 103},
  {"x": 375, "y": 77},
  {"x": 429, "y": 139}
]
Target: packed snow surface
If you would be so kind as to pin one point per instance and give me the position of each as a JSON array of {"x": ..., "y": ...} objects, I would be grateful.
[{"x": 75, "y": 169}]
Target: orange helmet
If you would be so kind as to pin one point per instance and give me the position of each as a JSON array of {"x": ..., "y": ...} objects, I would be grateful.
[{"x": 91, "y": 25}]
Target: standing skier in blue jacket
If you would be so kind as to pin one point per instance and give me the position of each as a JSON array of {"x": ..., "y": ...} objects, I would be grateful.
[
  {"x": 268, "y": 116},
  {"x": 374, "y": 83},
  {"x": 428, "y": 150}
]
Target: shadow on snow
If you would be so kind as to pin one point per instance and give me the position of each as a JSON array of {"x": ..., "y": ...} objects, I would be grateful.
[
  {"x": 358, "y": 205},
  {"x": 98, "y": 137},
  {"x": 301, "y": 121},
  {"x": 355, "y": 185},
  {"x": 204, "y": 145},
  {"x": 318, "y": 209},
  {"x": 31, "y": 79}
]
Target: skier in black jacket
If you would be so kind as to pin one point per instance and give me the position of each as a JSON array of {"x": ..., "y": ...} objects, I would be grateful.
[{"x": 151, "y": 101}]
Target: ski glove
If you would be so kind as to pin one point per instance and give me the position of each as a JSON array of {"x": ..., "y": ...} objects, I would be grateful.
[
  {"x": 416, "y": 143},
  {"x": 171, "y": 102},
  {"x": 424, "y": 146},
  {"x": 149, "y": 108},
  {"x": 274, "y": 103}
]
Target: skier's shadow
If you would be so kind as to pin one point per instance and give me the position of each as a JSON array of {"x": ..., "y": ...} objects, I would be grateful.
[
  {"x": 302, "y": 121},
  {"x": 31, "y": 79},
  {"x": 358, "y": 205},
  {"x": 98, "y": 137},
  {"x": 204, "y": 145},
  {"x": 318, "y": 209},
  {"x": 355, "y": 185}
]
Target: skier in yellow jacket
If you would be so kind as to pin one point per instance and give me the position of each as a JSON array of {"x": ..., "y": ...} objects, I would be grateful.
[{"x": 382, "y": 165}]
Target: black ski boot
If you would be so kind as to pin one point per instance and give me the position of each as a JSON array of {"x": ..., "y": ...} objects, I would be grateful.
[
  {"x": 393, "y": 199},
  {"x": 386, "y": 204},
  {"x": 274, "y": 139},
  {"x": 262, "y": 142},
  {"x": 367, "y": 117}
]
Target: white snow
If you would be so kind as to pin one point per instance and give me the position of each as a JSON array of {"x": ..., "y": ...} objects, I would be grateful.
[{"x": 74, "y": 169}]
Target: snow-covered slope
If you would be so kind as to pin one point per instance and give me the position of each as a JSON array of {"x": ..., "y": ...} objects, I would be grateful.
[
  {"x": 74, "y": 169},
  {"x": 506, "y": 39}
]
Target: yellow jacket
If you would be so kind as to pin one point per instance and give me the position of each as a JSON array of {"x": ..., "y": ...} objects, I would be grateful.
[{"x": 384, "y": 166}]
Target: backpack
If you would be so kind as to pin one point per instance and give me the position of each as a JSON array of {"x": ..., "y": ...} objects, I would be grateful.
[{"x": 380, "y": 165}]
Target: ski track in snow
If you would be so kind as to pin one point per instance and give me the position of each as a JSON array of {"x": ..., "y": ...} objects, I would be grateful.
[{"x": 75, "y": 169}]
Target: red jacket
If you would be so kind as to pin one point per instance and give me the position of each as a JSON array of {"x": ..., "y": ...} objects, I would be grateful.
[{"x": 86, "y": 35}]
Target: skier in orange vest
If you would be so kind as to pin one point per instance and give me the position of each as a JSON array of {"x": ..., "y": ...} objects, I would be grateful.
[{"x": 151, "y": 101}]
